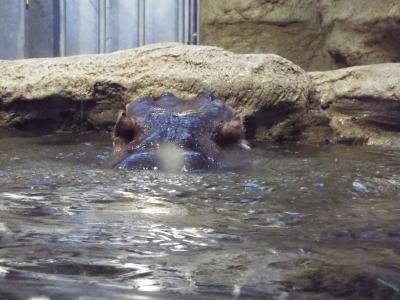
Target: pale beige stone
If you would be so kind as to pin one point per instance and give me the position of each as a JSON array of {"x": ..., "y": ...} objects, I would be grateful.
[
  {"x": 53, "y": 88},
  {"x": 362, "y": 103}
]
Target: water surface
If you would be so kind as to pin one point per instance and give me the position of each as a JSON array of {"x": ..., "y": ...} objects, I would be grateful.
[{"x": 299, "y": 223}]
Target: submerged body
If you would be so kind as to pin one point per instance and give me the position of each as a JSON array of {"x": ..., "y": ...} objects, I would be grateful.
[{"x": 175, "y": 134}]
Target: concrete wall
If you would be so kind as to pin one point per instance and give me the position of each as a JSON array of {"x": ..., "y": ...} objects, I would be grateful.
[
  {"x": 315, "y": 34},
  {"x": 82, "y": 26},
  {"x": 41, "y": 28},
  {"x": 12, "y": 29},
  {"x": 123, "y": 24},
  {"x": 166, "y": 31},
  {"x": 46, "y": 28}
]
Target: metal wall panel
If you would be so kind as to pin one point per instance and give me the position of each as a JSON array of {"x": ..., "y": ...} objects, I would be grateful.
[
  {"x": 81, "y": 26},
  {"x": 12, "y": 29},
  {"x": 161, "y": 21},
  {"x": 122, "y": 24},
  {"x": 42, "y": 28}
]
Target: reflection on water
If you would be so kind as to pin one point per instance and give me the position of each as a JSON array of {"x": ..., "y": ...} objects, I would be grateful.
[{"x": 299, "y": 223}]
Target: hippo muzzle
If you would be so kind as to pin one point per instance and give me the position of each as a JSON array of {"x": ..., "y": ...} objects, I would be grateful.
[{"x": 172, "y": 134}]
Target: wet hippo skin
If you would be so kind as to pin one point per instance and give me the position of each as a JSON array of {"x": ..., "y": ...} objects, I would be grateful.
[{"x": 171, "y": 133}]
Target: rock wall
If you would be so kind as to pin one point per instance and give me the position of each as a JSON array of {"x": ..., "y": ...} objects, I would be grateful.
[
  {"x": 277, "y": 100},
  {"x": 315, "y": 34},
  {"x": 362, "y": 103},
  {"x": 88, "y": 90}
]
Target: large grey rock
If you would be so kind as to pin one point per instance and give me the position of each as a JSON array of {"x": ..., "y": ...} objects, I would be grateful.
[
  {"x": 277, "y": 99},
  {"x": 315, "y": 34},
  {"x": 362, "y": 103},
  {"x": 90, "y": 89}
]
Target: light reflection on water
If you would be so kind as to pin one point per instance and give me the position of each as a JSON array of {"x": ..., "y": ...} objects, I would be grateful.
[{"x": 302, "y": 222}]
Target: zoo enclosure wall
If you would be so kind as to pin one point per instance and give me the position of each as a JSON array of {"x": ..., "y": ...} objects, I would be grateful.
[{"x": 46, "y": 28}]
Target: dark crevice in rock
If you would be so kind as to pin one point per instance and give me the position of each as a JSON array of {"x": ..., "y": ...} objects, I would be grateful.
[
  {"x": 266, "y": 118},
  {"x": 339, "y": 58},
  {"x": 382, "y": 122},
  {"x": 390, "y": 42},
  {"x": 53, "y": 113},
  {"x": 349, "y": 284},
  {"x": 381, "y": 114},
  {"x": 352, "y": 140}
]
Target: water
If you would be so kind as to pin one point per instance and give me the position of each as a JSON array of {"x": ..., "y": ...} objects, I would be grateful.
[{"x": 300, "y": 223}]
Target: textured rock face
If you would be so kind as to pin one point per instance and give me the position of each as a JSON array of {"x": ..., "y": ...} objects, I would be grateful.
[
  {"x": 362, "y": 103},
  {"x": 315, "y": 34},
  {"x": 88, "y": 90},
  {"x": 277, "y": 99}
]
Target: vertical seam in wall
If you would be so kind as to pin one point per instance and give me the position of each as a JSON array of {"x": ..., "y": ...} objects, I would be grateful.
[
  {"x": 102, "y": 17},
  {"x": 193, "y": 22},
  {"x": 141, "y": 22},
  {"x": 56, "y": 27},
  {"x": 190, "y": 21},
  {"x": 22, "y": 47},
  {"x": 180, "y": 11},
  {"x": 62, "y": 25},
  {"x": 186, "y": 18},
  {"x": 197, "y": 13},
  {"x": 107, "y": 46}
]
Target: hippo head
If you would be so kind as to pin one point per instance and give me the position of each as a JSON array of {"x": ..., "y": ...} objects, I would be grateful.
[{"x": 174, "y": 134}]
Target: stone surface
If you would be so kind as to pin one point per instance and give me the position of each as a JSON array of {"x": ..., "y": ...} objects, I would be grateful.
[
  {"x": 277, "y": 100},
  {"x": 315, "y": 34},
  {"x": 88, "y": 90},
  {"x": 362, "y": 103}
]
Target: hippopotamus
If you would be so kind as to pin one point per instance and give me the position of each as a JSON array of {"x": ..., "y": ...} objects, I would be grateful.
[{"x": 174, "y": 134}]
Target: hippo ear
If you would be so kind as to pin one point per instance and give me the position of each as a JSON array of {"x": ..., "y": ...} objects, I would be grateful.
[
  {"x": 230, "y": 133},
  {"x": 125, "y": 129}
]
